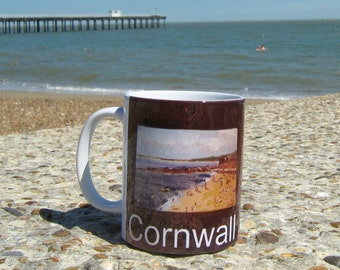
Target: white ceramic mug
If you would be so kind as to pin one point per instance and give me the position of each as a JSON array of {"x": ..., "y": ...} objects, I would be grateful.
[{"x": 182, "y": 162}]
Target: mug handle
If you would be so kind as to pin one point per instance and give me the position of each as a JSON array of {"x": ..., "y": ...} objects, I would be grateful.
[{"x": 83, "y": 165}]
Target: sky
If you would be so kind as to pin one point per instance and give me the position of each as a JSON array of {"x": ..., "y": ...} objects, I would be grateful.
[
  {"x": 184, "y": 10},
  {"x": 185, "y": 144}
]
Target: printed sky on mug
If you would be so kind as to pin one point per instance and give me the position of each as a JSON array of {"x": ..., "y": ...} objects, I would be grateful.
[{"x": 185, "y": 144}]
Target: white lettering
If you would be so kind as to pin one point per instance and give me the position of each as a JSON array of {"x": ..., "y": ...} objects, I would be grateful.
[
  {"x": 147, "y": 237},
  {"x": 203, "y": 235},
  {"x": 165, "y": 232},
  {"x": 234, "y": 228},
  {"x": 187, "y": 241},
  {"x": 230, "y": 228},
  {"x": 223, "y": 237},
  {"x": 130, "y": 230}
]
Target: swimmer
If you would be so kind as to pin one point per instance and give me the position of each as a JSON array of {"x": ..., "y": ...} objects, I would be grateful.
[{"x": 261, "y": 48}]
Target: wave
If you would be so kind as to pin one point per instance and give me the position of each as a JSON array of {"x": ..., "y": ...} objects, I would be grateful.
[
  {"x": 250, "y": 91},
  {"x": 119, "y": 92},
  {"x": 58, "y": 89}
]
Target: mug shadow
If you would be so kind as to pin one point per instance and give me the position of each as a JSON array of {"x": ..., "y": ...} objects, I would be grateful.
[{"x": 103, "y": 225}]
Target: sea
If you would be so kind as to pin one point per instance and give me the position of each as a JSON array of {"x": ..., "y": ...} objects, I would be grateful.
[{"x": 302, "y": 59}]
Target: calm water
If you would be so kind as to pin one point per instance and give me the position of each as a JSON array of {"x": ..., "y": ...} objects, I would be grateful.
[{"x": 303, "y": 59}]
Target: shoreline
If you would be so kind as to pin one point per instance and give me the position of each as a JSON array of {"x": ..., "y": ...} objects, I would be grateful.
[
  {"x": 219, "y": 193},
  {"x": 38, "y": 95},
  {"x": 32, "y": 95}
]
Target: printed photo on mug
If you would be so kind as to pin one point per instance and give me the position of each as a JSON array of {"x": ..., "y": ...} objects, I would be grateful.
[{"x": 185, "y": 170}]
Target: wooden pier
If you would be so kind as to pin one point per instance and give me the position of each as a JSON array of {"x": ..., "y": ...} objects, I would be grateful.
[{"x": 39, "y": 24}]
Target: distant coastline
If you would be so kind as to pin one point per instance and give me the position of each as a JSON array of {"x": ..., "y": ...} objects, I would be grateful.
[{"x": 293, "y": 21}]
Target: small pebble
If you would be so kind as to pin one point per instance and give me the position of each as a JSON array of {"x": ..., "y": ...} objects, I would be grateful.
[
  {"x": 13, "y": 211},
  {"x": 242, "y": 240},
  {"x": 31, "y": 202},
  {"x": 65, "y": 247},
  {"x": 13, "y": 253},
  {"x": 266, "y": 238},
  {"x": 117, "y": 188},
  {"x": 61, "y": 233},
  {"x": 35, "y": 211},
  {"x": 333, "y": 260},
  {"x": 55, "y": 259},
  {"x": 335, "y": 224},
  {"x": 100, "y": 256},
  {"x": 318, "y": 267},
  {"x": 104, "y": 248},
  {"x": 248, "y": 206},
  {"x": 287, "y": 255}
]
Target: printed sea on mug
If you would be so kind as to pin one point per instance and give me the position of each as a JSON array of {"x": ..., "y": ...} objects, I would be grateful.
[{"x": 185, "y": 170}]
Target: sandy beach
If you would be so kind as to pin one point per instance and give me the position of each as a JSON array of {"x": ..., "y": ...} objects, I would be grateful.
[
  {"x": 218, "y": 192},
  {"x": 290, "y": 216},
  {"x": 23, "y": 112}
]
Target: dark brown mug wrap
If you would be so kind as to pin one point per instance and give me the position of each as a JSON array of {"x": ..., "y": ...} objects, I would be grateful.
[{"x": 182, "y": 232}]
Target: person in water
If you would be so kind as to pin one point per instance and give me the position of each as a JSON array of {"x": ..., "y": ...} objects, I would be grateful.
[{"x": 261, "y": 48}]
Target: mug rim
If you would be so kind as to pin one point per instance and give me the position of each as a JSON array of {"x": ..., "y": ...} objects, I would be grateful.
[{"x": 183, "y": 95}]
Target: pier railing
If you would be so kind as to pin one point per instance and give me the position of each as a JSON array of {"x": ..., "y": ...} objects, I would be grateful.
[{"x": 65, "y": 23}]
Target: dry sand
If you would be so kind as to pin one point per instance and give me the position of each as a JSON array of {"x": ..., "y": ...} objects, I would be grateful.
[
  {"x": 218, "y": 192},
  {"x": 290, "y": 216},
  {"x": 23, "y": 112}
]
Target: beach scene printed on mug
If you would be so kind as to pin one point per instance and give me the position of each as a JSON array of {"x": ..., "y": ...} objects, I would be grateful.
[{"x": 181, "y": 170}]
